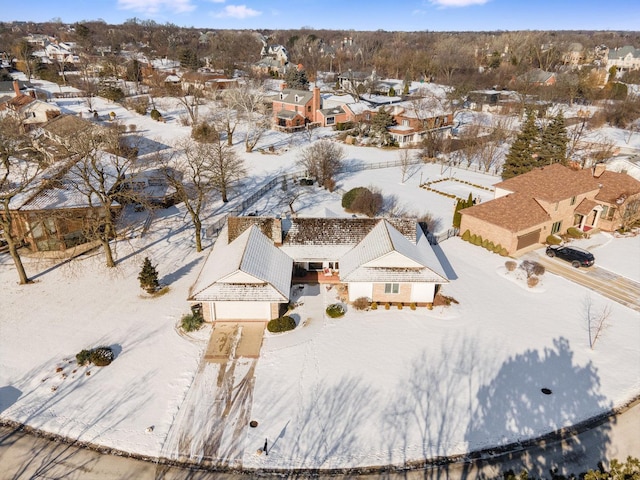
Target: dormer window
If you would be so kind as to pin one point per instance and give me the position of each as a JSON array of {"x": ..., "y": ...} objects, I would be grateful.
[
  {"x": 282, "y": 96},
  {"x": 296, "y": 99}
]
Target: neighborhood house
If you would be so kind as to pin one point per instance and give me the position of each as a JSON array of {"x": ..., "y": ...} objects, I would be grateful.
[
  {"x": 549, "y": 200},
  {"x": 249, "y": 272}
]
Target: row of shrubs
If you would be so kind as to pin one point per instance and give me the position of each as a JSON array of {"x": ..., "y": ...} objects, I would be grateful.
[
  {"x": 363, "y": 303},
  {"x": 474, "y": 239},
  {"x": 100, "y": 356}
]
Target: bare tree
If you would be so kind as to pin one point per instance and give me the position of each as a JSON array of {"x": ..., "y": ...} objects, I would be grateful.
[
  {"x": 16, "y": 178},
  {"x": 191, "y": 101},
  {"x": 248, "y": 100},
  {"x": 225, "y": 167},
  {"x": 322, "y": 160},
  {"x": 597, "y": 320},
  {"x": 198, "y": 168},
  {"x": 187, "y": 172},
  {"x": 98, "y": 176},
  {"x": 630, "y": 216},
  {"x": 226, "y": 119},
  {"x": 405, "y": 163},
  {"x": 24, "y": 54}
]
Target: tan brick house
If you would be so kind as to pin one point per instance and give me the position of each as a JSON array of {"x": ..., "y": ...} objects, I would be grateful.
[{"x": 549, "y": 200}]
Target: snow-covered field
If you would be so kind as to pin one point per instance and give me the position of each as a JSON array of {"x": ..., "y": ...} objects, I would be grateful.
[{"x": 370, "y": 388}]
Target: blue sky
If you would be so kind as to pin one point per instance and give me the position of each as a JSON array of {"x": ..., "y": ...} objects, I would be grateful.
[{"x": 390, "y": 15}]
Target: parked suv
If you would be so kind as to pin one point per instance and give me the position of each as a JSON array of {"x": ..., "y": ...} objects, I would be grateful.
[{"x": 576, "y": 256}]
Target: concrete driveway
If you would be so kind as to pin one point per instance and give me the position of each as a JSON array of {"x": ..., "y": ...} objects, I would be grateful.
[
  {"x": 608, "y": 284},
  {"x": 230, "y": 340}
]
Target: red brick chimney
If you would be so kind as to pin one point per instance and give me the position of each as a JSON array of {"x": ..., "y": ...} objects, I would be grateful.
[
  {"x": 316, "y": 103},
  {"x": 16, "y": 88}
]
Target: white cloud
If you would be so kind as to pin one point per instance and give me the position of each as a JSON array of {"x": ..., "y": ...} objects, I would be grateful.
[
  {"x": 151, "y": 7},
  {"x": 217, "y": 1},
  {"x": 457, "y": 3},
  {"x": 238, "y": 11}
]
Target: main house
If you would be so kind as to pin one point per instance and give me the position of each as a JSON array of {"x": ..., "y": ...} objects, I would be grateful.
[
  {"x": 249, "y": 272},
  {"x": 549, "y": 200}
]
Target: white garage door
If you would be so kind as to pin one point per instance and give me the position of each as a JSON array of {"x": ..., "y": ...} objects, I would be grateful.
[{"x": 242, "y": 311}]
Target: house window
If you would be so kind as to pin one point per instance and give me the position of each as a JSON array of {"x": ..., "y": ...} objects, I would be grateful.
[
  {"x": 405, "y": 123},
  {"x": 573, "y": 201},
  {"x": 309, "y": 108},
  {"x": 282, "y": 96},
  {"x": 331, "y": 120},
  {"x": 297, "y": 98},
  {"x": 608, "y": 212},
  {"x": 391, "y": 287},
  {"x": 555, "y": 228},
  {"x": 333, "y": 265}
]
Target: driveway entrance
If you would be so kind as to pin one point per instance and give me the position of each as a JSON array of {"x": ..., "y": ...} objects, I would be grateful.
[
  {"x": 231, "y": 340},
  {"x": 608, "y": 284}
]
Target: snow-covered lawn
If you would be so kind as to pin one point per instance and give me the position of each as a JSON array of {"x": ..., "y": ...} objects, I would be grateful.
[{"x": 370, "y": 388}]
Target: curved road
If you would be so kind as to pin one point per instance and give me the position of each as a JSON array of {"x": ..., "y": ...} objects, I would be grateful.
[{"x": 25, "y": 456}]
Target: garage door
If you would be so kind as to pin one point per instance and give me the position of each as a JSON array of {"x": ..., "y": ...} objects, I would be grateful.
[
  {"x": 528, "y": 239},
  {"x": 242, "y": 311}
]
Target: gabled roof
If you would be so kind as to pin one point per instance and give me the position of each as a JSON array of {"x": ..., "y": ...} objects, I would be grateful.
[
  {"x": 68, "y": 125},
  {"x": 295, "y": 97},
  {"x": 514, "y": 212},
  {"x": 250, "y": 268},
  {"x": 552, "y": 183},
  {"x": 385, "y": 255},
  {"x": 616, "y": 187}
]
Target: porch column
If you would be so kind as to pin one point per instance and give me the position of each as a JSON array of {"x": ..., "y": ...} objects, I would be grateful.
[
  {"x": 583, "y": 220},
  {"x": 598, "y": 212}
]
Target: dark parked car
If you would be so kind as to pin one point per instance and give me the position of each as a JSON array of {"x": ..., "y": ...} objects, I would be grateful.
[{"x": 576, "y": 256}]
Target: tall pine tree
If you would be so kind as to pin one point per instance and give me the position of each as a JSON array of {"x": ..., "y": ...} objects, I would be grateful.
[
  {"x": 553, "y": 142},
  {"x": 522, "y": 156}
]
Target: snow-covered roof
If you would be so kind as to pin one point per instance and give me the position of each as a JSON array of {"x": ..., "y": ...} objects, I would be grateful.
[
  {"x": 385, "y": 254},
  {"x": 250, "y": 268},
  {"x": 62, "y": 187}
]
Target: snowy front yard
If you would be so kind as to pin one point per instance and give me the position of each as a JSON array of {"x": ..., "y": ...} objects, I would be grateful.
[{"x": 369, "y": 388}]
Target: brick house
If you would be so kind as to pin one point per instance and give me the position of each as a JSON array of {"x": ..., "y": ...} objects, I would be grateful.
[
  {"x": 549, "y": 200},
  {"x": 293, "y": 109},
  {"x": 249, "y": 272}
]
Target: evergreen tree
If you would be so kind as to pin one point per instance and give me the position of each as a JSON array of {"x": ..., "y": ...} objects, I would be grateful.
[
  {"x": 522, "y": 156},
  {"x": 553, "y": 142},
  {"x": 407, "y": 82},
  {"x": 457, "y": 217},
  {"x": 148, "y": 277},
  {"x": 296, "y": 79}
]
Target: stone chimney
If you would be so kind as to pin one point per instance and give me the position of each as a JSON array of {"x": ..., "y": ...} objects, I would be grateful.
[
  {"x": 599, "y": 169},
  {"x": 276, "y": 231}
]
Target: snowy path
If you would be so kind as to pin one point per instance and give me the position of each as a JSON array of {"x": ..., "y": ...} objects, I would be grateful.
[{"x": 211, "y": 425}]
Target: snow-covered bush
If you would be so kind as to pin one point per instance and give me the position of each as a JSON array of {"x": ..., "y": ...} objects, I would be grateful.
[{"x": 101, "y": 356}]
